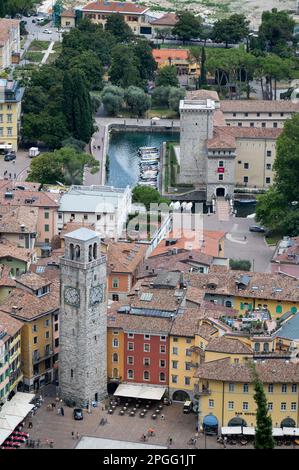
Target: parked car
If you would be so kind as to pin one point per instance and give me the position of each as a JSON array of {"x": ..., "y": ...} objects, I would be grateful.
[
  {"x": 47, "y": 31},
  {"x": 188, "y": 406},
  {"x": 78, "y": 414},
  {"x": 9, "y": 157},
  {"x": 257, "y": 228}
]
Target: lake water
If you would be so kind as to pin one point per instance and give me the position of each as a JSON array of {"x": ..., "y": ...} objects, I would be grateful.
[{"x": 123, "y": 157}]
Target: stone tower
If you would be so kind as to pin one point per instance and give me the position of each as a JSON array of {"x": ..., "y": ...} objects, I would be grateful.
[
  {"x": 196, "y": 125},
  {"x": 83, "y": 319}
]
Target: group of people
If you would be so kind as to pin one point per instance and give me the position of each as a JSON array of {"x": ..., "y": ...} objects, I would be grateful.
[{"x": 10, "y": 175}]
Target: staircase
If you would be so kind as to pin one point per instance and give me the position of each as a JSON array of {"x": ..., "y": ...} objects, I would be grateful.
[{"x": 222, "y": 209}]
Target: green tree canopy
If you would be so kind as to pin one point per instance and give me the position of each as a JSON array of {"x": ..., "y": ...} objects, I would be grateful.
[
  {"x": 233, "y": 29},
  {"x": 65, "y": 165},
  {"x": 175, "y": 96},
  {"x": 167, "y": 76},
  {"x": 117, "y": 26},
  {"x": 137, "y": 100},
  {"x": 188, "y": 26},
  {"x": 147, "y": 195},
  {"x": 276, "y": 30},
  {"x": 124, "y": 69},
  {"x": 113, "y": 99},
  {"x": 91, "y": 68},
  {"x": 146, "y": 62},
  {"x": 278, "y": 209}
]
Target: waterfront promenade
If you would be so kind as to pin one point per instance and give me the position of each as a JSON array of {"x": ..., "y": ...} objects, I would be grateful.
[{"x": 100, "y": 140}]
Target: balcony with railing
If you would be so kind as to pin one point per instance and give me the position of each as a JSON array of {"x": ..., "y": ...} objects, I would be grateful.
[{"x": 39, "y": 358}]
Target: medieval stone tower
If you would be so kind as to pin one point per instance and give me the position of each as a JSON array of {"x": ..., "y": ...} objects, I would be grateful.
[
  {"x": 196, "y": 125},
  {"x": 83, "y": 319}
]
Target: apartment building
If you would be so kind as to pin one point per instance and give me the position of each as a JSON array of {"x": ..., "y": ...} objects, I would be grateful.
[
  {"x": 9, "y": 42},
  {"x": 11, "y": 95}
]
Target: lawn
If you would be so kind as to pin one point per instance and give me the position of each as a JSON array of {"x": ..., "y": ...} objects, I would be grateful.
[
  {"x": 273, "y": 238},
  {"x": 34, "y": 56},
  {"x": 39, "y": 45}
]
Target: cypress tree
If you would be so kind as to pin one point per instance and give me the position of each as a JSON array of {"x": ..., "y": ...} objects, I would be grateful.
[
  {"x": 82, "y": 110},
  {"x": 263, "y": 431},
  {"x": 203, "y": 70},
  {"x": 68, "y": 101}
]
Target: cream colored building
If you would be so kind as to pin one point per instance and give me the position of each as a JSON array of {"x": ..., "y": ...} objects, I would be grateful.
[
  {"x": 133, "y": 14},
  {"x": 9, "y": 42}
]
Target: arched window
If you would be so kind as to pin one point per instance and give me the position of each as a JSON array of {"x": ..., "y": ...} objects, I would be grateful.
[
  {"x": 71, "y": 251},
  {"x": 77, "y": 252},
  {"x": 130, "y": 374},
  {"x": 115, "y": 373},
  {"x": 114, "y": 357},
  {"x": 228, "y": 303},
  {"x": 146, "y": 375},
  {"x": 257, "y": 347},
  {"x": 266, "y": 347},
  {"x": 95, "y": 251},
  {"x": 90, "y": 253}
]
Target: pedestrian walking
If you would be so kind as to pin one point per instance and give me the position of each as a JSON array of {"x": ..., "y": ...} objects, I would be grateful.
[
  {"x": 162, "y": 417},
  {"x": 58, "y": 411},
  {"x": 170, "y": 441},
  {"x": 78, "y": 435},
  {"x": 62, "y": 411},
  {"x": 73, "y": 435},
  {"x": 9, "y": 176},
  {"x": 30, "y": 425}
]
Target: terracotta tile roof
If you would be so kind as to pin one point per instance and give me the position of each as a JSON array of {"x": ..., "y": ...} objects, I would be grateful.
[
  {"x": 20, "y": 219},
  {"x": 12, "y": 185},
  {"x": 32, "y": 280},
  {"x": 260, "y": 285},
  {"x": 208, "y": 243},
  {"x": 68, "y": 14},
  {"x": 22, "y": 254},
  {"x": 255, "y": 132},
  {"x": 171, "y": 261},
  {"x": 125, "y": 257},
  {"x": 228, "y": 345},
  {"x": 5, "y": 27},
  {"x": 72, "y": 226},
  {"x": 36, "y": 198},
  {"x": 5, "y": 279},
  {"x": 202, "y": 95},
  {"x": 23, "y": 305},
  {"x": 222, "y": 138},
  {"x": 169, "y": 19},
  {"x": 10, "y": 325},
  {"x": 159, "y": 299},
  {"x": 262, "y": 106},
  {"x": 218, "y": 118},
  {"x": 138, "y": 323},
  {"x": 269, "y": 371},
  {"x": 51, "y": 273},
  {"x": 115, "y": 7},
  {"x": 287, "y": 251},
  {"x": 195, "y": 295},
  {"x": 161, "y": 55},
  {"x": 53, "y": 259}
]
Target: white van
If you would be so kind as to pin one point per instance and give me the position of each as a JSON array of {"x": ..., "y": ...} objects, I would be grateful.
[{"x": 33, "y": 152}]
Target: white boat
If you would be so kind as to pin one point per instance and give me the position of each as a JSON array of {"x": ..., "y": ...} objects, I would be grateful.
[{"x": 148, "y": 149}]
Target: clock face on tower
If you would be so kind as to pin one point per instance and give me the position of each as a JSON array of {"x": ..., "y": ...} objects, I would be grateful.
[
  {"x": 72, "y": 296},
  {"x": 96, "y": 295}
]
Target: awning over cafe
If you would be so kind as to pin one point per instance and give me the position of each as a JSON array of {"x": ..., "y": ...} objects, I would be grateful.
[
  {"x": 290, "y": 431},
  {"x": 13, "y": 412},
  {"x": 277, "y": 432},
  {"x": 231, "y": 430},
  {"x": 144, "y": 392},
  {"x": 248, "y": 431}
]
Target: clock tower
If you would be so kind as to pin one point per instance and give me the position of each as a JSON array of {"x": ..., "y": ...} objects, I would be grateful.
[{"x": 83, "y": 319}]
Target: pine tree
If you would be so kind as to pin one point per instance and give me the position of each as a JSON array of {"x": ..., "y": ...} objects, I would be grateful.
[
  {"x": 263, "y": 430},
  {"x": 78, "y": 108}
]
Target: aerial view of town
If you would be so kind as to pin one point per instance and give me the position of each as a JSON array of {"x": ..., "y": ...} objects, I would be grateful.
[{"x": 149, "y": 227}]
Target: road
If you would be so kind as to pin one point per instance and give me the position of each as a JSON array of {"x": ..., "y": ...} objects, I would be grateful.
[
  {"x": 17, "y": 169},
  {"x": 254, "y": 248}
]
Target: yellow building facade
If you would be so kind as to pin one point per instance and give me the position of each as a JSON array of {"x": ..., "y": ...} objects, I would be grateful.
[
  {"x": 11, "y": 95},
  {"x": 115, "y": 354}
]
